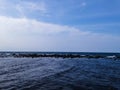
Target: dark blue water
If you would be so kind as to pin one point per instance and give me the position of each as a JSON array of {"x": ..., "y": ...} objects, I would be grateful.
[{"x": 59, "y": 74}]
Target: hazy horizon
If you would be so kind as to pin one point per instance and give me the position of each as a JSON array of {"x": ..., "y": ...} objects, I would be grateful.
[{"x": 54, "y": 52}]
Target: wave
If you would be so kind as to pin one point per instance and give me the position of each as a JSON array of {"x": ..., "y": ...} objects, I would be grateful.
[
  {"x": 59, "y": 74},
  {"x": 114, "y": 56}
]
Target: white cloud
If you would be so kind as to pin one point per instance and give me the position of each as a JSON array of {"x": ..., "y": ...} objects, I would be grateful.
[
  {"x": 22, "y": 8},
  {"x": 27, "y": 34},
  {"x": 31, "y": 6}
]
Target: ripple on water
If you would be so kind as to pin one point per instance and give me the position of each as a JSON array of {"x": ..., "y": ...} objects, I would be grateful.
[{"x": 59, "y": 74}]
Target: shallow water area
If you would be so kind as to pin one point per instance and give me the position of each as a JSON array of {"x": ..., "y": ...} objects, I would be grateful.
[{"x": 59, "y": 74}]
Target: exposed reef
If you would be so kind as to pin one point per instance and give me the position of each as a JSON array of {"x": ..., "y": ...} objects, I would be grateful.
[{"x": 57, "y": 55}]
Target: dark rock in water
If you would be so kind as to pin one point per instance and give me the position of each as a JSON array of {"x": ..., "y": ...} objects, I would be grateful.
[{"x": 61, "y": 55}]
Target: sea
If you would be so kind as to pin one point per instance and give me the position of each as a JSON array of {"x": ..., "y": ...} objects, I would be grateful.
[{"x": 58, "y": 73}]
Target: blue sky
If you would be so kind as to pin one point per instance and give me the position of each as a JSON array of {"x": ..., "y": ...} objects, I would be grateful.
[{"x": 60, "y": 25}]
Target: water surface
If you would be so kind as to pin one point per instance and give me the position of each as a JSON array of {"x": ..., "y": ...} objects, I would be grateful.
[{"x": 59, "y": 74}]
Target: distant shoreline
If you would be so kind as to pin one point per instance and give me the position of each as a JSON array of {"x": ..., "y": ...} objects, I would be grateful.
[{"x": 88, "y": 55}]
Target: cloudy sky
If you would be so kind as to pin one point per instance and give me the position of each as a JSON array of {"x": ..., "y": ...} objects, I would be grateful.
[{"x": 60, "y": 25}]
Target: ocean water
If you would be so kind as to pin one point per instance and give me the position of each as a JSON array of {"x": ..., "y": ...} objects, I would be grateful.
[{"x": 59, "y": 74}]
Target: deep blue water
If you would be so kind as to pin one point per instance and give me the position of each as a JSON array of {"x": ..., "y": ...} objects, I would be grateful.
[{"x": 59, "y": 74}]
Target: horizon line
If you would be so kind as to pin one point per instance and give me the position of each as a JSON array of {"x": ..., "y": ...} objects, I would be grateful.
[{"x": 63, "y": 51}]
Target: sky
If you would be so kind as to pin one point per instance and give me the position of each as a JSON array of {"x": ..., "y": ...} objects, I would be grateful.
[{"x": 60, "y": 25}]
